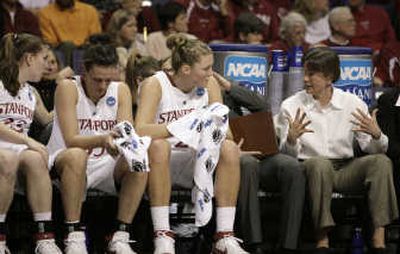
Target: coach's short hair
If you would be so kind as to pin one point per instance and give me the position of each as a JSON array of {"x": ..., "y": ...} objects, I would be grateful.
[{"x": 324, "y": 60}]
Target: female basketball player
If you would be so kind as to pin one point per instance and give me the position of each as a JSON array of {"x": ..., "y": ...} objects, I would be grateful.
[
  {"x": 22, "y": 59},
  {"x": 162, "y": 99}
]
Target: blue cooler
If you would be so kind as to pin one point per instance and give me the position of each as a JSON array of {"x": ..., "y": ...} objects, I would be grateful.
[
  {"x": 244, "y": 63},
  {"x": 356, "y": 69}
]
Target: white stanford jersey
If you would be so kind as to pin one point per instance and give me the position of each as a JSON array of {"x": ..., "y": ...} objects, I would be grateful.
[
  {"x": 17, "y": 112},
  {"x": 92, "y": 119},
  {"x": 174, "y": 103}
]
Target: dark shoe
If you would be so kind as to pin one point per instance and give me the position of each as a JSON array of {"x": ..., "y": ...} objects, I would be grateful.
[
  {"x": 323, "y": 250},
  {"x": 377, "y": 251}
]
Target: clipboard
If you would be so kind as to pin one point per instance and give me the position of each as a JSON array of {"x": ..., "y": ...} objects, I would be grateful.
[{"x": 257, "y": 130}]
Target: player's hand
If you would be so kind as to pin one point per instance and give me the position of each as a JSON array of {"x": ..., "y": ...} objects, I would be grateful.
[
  {"x": 366, "y": 124},
  {"x": 222, "y": 82},
  {"x": 109, "y": 145},
  {"x": 67, "y": 72},
  {"x": 38, "y": 147},
  {"x": 297, "y": 127}
]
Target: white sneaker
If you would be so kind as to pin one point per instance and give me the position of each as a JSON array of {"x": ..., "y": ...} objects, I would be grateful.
[
  {"x": 119, "y": 243},
  {"x": 227, "y": 243},
  {"x": 3, "y": 248},
  {"x": 164, "y": 242},
  {"x": 75, "y": 243},
  {"x": 47, "y": 246}
]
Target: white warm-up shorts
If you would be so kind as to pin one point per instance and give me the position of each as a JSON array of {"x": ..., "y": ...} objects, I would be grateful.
[
  {"x": 99, "y": 172},
  {"x": 17, "y": 148}
]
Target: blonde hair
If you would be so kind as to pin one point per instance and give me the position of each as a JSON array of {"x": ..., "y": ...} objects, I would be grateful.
[{"x": 185, "y": 50}]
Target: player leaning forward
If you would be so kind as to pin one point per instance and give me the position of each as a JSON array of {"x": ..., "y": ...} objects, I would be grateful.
[{"x": 82, "y": 149}]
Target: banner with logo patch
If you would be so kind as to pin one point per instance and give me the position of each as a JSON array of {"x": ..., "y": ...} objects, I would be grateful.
[
  {"x": 356, "y": 70},
  {"x": 245, "y": 64}
]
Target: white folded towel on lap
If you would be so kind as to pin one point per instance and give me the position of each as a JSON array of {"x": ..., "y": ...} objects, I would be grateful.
[
  {"x": 203, "y": 130},
  {"x": 132, "y": 147}
]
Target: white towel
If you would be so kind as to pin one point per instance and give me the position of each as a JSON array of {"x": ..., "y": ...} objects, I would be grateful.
[
  {"x": 203, "y": 130},
  {"x": 132, "y": 147}
]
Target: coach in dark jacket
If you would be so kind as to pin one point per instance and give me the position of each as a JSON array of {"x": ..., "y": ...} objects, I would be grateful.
[{"x": 389, "y": 121}]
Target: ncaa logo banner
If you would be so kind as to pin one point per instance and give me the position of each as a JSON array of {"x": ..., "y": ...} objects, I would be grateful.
[
  {"x": 249, "y": 71},
  {"x": 356, "y": 78}
]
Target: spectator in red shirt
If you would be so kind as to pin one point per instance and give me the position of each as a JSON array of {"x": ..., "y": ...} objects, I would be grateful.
[
  {"x": 343, "y": 27},
  {"x": 388, "y": 65},
  {"x": 16, "y": 19},
  {"x": 373, "y": 27},
  {"x": 208, "y": 19},
  {"x": 263, "y": 10}
]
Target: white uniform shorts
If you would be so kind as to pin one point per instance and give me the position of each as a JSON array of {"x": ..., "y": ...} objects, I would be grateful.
[
  {"x": 99, "y": 172},
  {"x": 17, "y": 148}
]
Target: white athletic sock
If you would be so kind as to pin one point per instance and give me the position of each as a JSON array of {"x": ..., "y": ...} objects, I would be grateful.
[
  {"x": 160, "y": 217},
  {"x": 42, "y": 216},
  {"x": 225, "y": 218},
  {"x": 2, "y": 217}
]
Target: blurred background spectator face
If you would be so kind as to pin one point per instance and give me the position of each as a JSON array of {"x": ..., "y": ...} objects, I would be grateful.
[
  {"x": 249, "y": 28},
  {"x": 133, "y": 6},
  {"x": 252, "y": 38},
  {"x": 128, "y": 30},
  {"x": 180, "y": 24},
  {"x": 65, "y": 4},
  {"x": 293, "y": 29},
  {"x": 122, "y": 28},
  {"x": 296, "y": 34},
  {"x": 343, "y": 23},
  {"x": 52, "y": 66}
]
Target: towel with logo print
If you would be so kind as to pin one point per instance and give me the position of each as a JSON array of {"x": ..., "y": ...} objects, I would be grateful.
[
  {"x": 132, "y": 147},
  {"x": 203, "y": 130}
]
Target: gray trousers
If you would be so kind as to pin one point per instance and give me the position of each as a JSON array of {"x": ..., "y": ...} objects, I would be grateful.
[
  {"x": 371, "y": 173},
  {"x": 281, "y": 173}
]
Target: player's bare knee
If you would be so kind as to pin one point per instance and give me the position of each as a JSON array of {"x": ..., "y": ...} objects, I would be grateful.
[
  {"x": 33, "y": 160},
  {"x": 159, "y": 151},
  {"x": 8, "y": 164},
  {"x": 74, "y": 159}
]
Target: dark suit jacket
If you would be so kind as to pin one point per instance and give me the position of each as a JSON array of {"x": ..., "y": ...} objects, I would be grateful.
[
  {"x": 239, "y": 97},
  {"x": 389, "y": 120}
]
